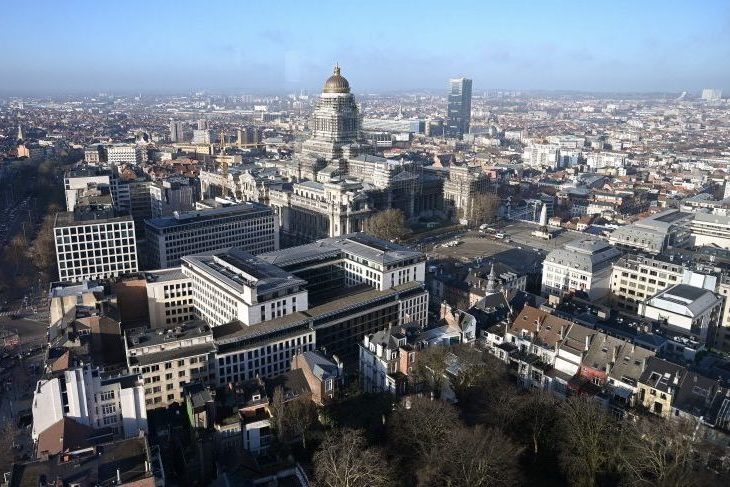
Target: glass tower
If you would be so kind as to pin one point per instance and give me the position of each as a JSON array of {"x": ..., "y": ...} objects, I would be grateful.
[{"x": 458, "y": 117}]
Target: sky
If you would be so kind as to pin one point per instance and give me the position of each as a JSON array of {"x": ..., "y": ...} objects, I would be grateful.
[{"x": 247, "y": 46}]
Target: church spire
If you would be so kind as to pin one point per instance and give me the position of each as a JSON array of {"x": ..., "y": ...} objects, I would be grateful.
[{"x": 492, "y": 280}]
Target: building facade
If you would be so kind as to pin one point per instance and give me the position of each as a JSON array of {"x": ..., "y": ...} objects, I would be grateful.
[{"x": 250, "y": 226}]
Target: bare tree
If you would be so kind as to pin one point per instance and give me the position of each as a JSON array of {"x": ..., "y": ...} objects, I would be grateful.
[
  {"x": 387, "y": 224},
  {"x": 291, "y": 419},
  {"x": 417, "y": 431},
  {"x": 590, "y": 440},
  {"x": 536, "y": 418},
  {"x": 660, "y": 453},
  {"x": 484, "y": 208},
  {"x": 8, "y": 431},
  {"x": 300, "y": 415},
  {"x": 478, "y": 457},
  {"x": 344, "y": 460}
]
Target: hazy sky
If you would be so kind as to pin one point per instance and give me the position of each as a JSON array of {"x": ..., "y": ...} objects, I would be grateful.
[{"x": 270, "y": 46}]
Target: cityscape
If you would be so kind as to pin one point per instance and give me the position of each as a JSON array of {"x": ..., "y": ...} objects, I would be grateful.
[{"x": 366, "y": 265}]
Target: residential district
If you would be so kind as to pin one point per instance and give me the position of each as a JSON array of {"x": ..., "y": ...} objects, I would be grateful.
[{"x": 494, "y": 288}]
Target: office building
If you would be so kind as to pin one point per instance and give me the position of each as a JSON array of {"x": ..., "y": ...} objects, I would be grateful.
[
  {"x": 415, "y": 126},
  {"x": 92, "y": 245},
  {"x": 654, "y": 234},
  {"x": 250, "y": 226},
  {"x": 177, "y": 131},
  {"x": 710, "y": 230},
  {"x": 358, "y": 285},
  {"x": 583, "y": 265},
  {"x": 169, "y": 358},
  {"x": 264, "y": 350},
  {"x": 688, "y": 310},
  {"x": 90, "y": 397},
  {"x": 169, "y": 297},
  {"x": 635, "y": 278},
  {"x": 202, "y": 136},
  {"x": 233, "y": 285},
  {"x": 125, "y": 154},
  {"x": 458, "y": 117},
  {"x": 711, "y": 94}
]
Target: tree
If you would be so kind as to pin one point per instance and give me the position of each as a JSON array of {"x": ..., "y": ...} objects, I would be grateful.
[
  {"x": 478, "y": 457},
  {"x": 417, "y": 431},
  {"x": 536, "y": 419},
  {"x": 344, "y": 460},
  {"x": 292, "y": 419},
  {"x": 387, "y": 224},
  {"x": 8, "y": 431},
  {"x": 484, "y": 209},
  {"x": 590, "y": 441},
  {"x": 430, "y": 368},
  {"x": 660, "y": 453}
]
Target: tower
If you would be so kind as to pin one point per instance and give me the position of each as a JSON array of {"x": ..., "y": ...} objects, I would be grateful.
[
  {"x": 458, "y": 117},
  {"x": 20, "y": 133}
]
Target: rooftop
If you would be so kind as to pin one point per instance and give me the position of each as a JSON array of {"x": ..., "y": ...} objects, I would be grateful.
[{"x": 189, "y": 217}]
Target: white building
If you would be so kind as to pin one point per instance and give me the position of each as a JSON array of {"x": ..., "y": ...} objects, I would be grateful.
[
  {"x": 251, "y": 226},
  {"x": 125, "y": 153},
  {"x": 263, "y": 350},
  {"x": 169, "y": 297},
  {"x": 76, "y": 182},
  {"x": 711, "y": 94},
  {"x": 90, "y": 248},
  {"x": 602, "y": 160},
  {"x": 685, "y": 309},
  {"x": 582, "y": 265},
  {"x": 542, "y": 156},
  {"x": 202, "y": 136},
  {"x": 710, "y": 230},
  {"x": 233, "y": 285},
  {"x": 93, "y": 398}
]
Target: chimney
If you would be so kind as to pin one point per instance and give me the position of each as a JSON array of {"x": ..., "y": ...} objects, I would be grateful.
[
  {"x": 615, "y": 354},
  {"x": 119, "y": 478},
  {"x": 588, "y": 343}
]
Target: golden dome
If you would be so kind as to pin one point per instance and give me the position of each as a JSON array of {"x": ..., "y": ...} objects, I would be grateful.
[{"x": 336, "y": 83}]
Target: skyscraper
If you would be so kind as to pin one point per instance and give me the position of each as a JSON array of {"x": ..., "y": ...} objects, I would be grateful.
[
  {"x": 458, "y": 117},
  {"x": 176, "y": 131},
  {"x": 711, "y": 94}
]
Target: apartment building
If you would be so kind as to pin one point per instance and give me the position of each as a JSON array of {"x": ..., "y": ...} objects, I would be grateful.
[
  {"x": 169, "y": 358},
  {"x": 125, "y": 153},
  {"x": 169, "y": 297},
  {"x": 250, "y": 226},
  {"x": 583, "y": 265},
  {"x": 79, "y": 180},
  {"x": 635, "y": 278},
  {"x": 91, "y": 397},
  {"x": 94, "y": 245}
]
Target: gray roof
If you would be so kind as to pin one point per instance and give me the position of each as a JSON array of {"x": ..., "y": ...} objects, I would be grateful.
[
  {"x": 585, "y": 254},
  {"x": 163, "y": 275},
  {"x": 359, "y": 244},
  {"x": 154, "y": 336},
  {"x": 321, "y": 366},
  {"x": 190, "y": 217},
  {"x": 239, "y": 269}
]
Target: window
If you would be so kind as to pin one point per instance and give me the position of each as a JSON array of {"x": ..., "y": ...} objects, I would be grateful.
[{"x": 106, "y": 396}]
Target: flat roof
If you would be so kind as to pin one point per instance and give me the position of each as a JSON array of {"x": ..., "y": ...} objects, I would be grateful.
[
  {"x": 71, "y": 219},
  {"x": 194, "y": 216},
  {"x": 147, "y": 337},
  {"x": 164, "y": 275},
  {"x": 240, "y": 269}
]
